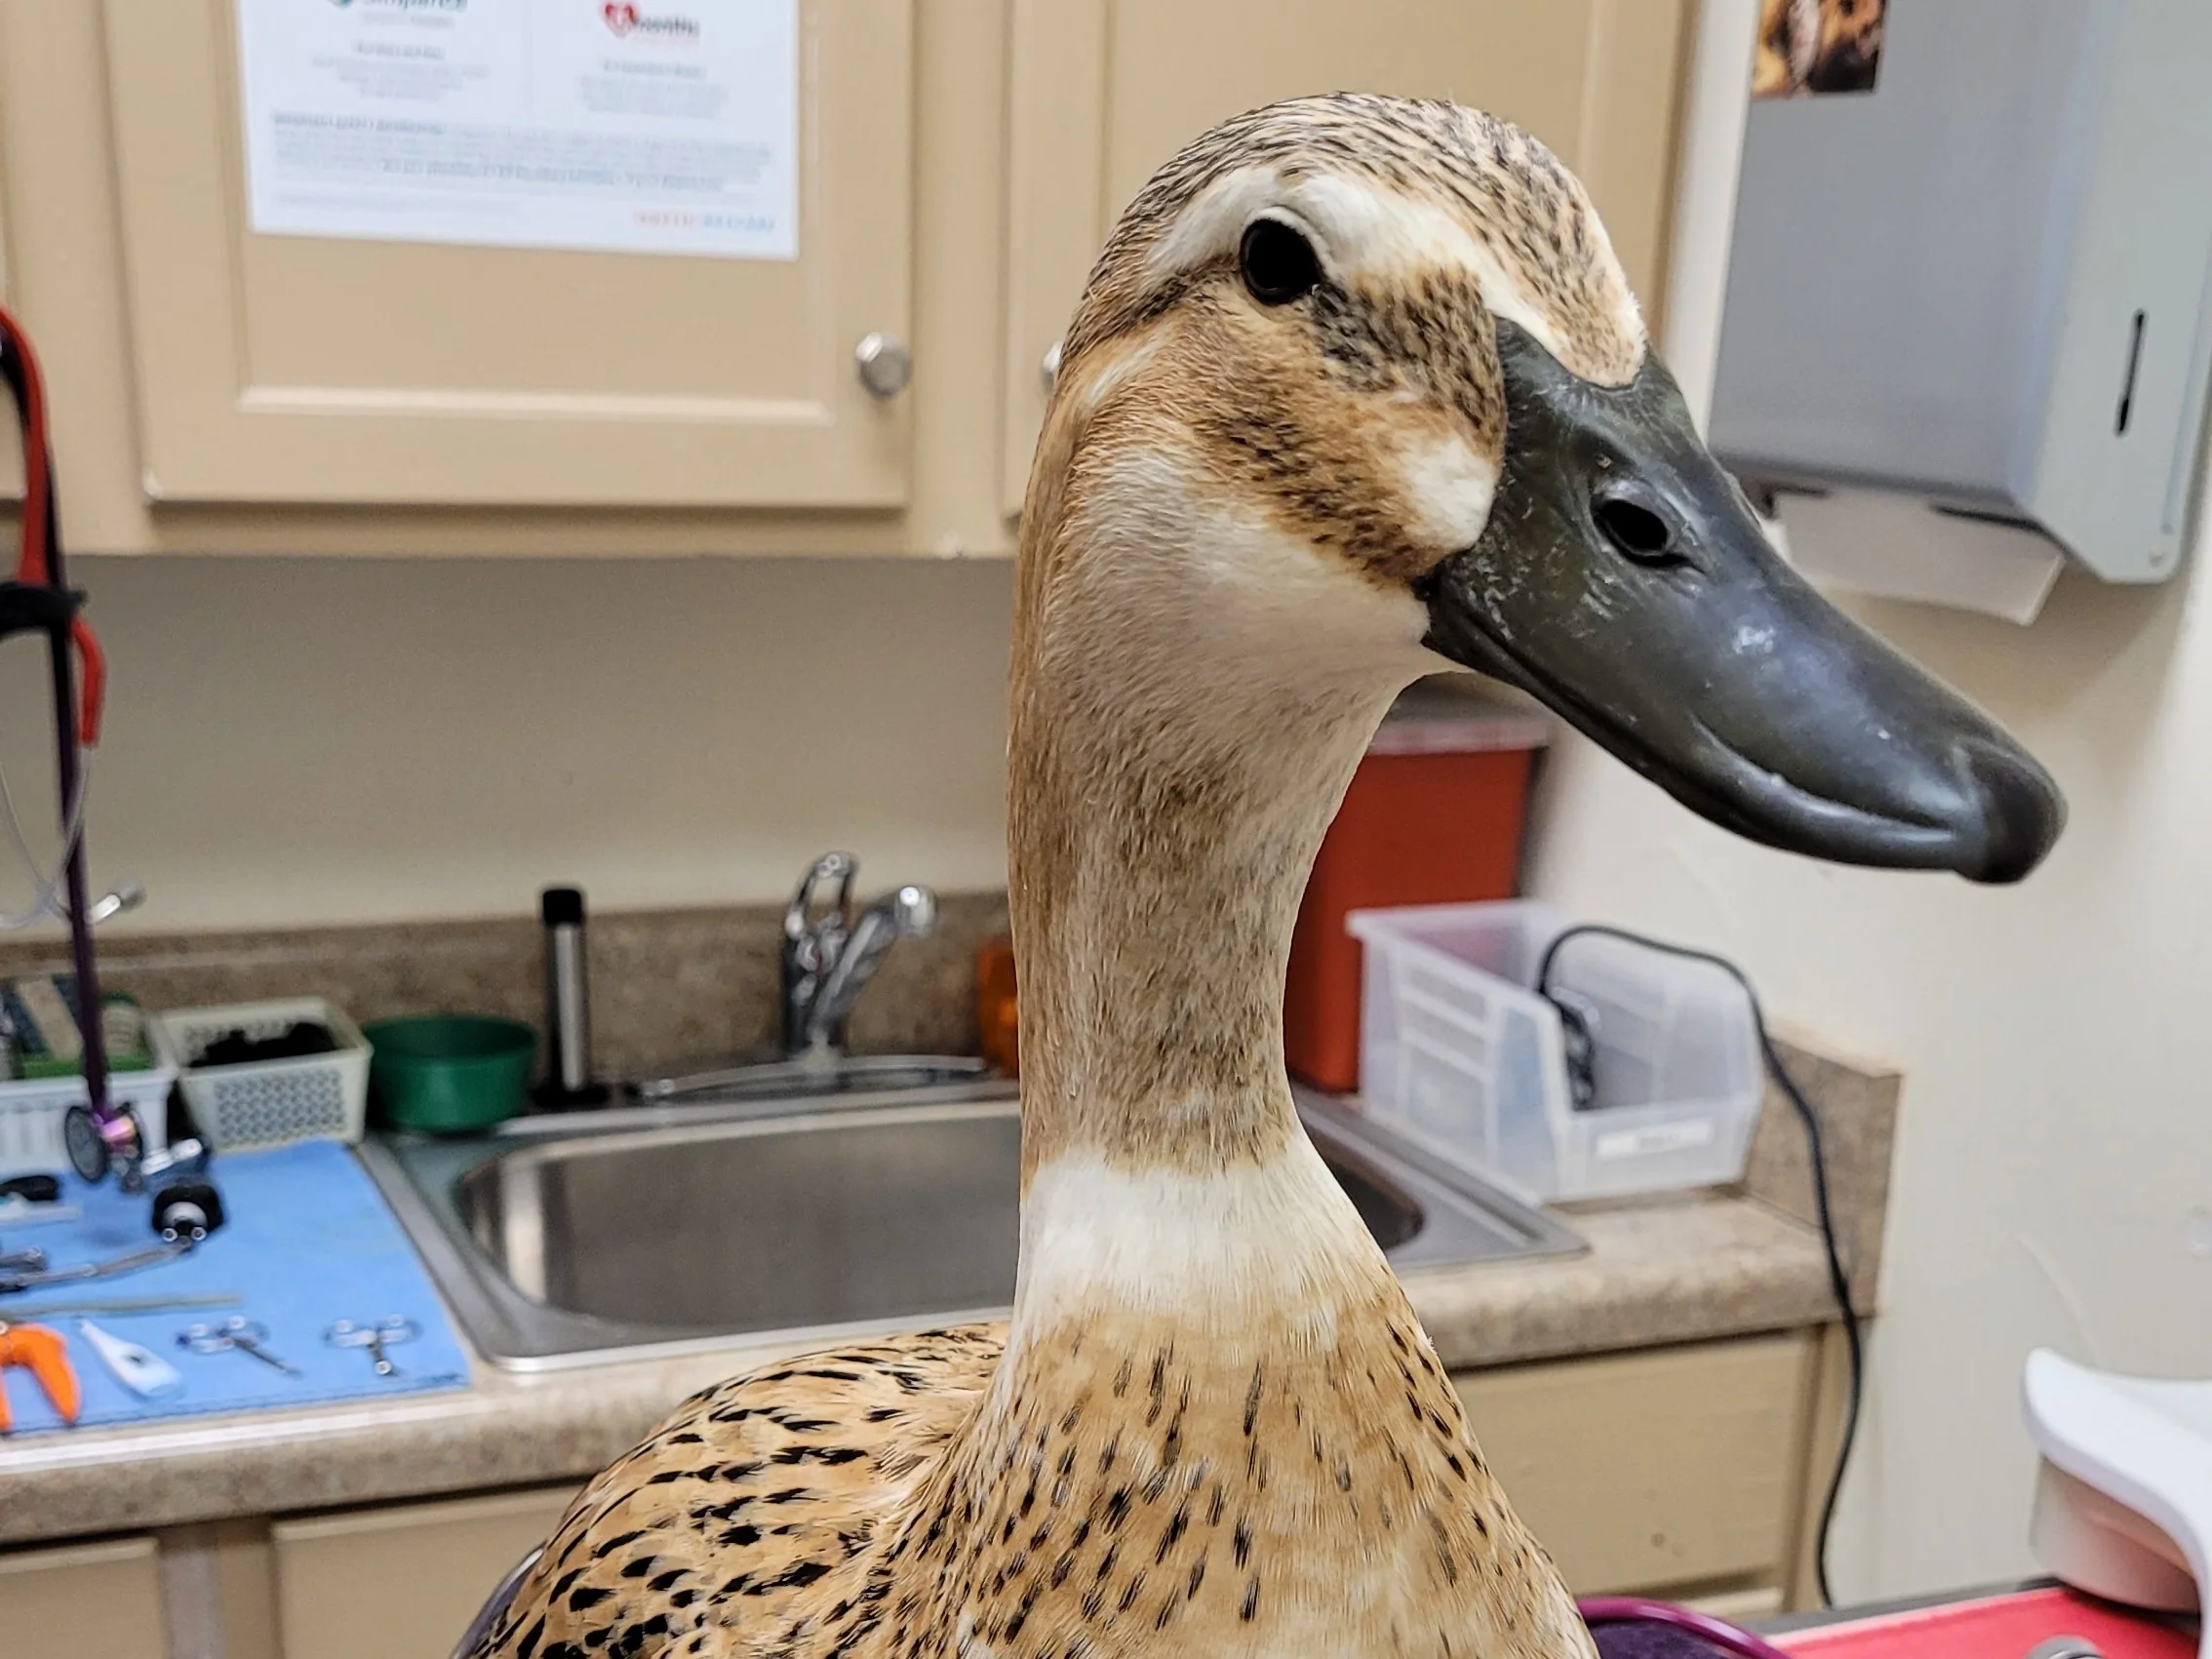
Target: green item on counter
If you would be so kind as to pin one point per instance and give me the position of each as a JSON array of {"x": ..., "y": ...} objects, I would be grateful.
[{"x": 449, "y": 1073}]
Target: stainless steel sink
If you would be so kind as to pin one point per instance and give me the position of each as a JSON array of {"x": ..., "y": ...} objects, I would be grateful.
[
  {"x": 567, "y": 1240},
  {"x": 794, "y": 1077}
]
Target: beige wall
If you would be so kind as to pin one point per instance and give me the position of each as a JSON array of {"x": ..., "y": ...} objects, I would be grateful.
[
  {"x": 2054, "y": 1164},
  {"x": 443, "y": 738}
]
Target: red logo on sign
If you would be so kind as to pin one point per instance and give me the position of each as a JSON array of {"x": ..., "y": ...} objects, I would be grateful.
[{"x": 621, "y": 17}]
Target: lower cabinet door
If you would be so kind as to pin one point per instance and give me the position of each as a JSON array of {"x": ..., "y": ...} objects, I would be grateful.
[
  {"x": 1671, "y": 1468},
  {"x": 101, "y": 1598},
  {"x": 403, "y": 1580}
]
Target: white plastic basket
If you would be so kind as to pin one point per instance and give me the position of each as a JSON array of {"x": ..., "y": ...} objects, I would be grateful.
[
  {"x": 31, "y": 1110},
  {"x": 268, "y": 1102},
  {"x": 1458, "y": 1051}
]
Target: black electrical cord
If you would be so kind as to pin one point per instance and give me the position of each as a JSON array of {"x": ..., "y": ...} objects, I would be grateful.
[{"x": 1838, "y": 1282}]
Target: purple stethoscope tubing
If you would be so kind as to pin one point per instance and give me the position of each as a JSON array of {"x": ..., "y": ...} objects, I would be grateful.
[{"x": 1636, "y": 1609}]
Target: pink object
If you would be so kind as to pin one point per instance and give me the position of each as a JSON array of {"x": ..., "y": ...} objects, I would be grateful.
[{"x": 2001, "y": 1627}]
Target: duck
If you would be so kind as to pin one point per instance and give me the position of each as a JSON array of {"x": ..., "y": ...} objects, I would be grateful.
[{"x": 1357, "y": 392}]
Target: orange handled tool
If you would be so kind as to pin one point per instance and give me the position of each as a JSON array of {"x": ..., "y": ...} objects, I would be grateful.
[{"x": 42, "y": 1352}]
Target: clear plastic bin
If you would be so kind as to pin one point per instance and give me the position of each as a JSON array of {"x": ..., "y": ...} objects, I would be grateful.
[{"x": 1459, "y": 1052}]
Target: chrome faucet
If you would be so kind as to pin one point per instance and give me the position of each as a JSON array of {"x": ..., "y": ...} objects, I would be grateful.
[
  {"x": 829, "y": 958},
  {"x": 812, "y": 945}
]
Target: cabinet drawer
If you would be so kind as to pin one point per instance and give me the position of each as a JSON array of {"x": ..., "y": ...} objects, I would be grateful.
[
  {"x": 82, "y": 1598},
  {"x": 1639, "y": 1471},
  {"x": 401, "y": 1582}
]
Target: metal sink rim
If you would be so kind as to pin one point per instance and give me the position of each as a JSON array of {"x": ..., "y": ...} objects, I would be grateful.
[{"x": 420, "y": 1176}]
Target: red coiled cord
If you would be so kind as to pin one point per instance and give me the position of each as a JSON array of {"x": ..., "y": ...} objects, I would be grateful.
[{"x": 34, "y": 563}]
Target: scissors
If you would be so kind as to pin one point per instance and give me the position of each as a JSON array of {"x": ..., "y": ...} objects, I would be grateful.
[
  {"x": 389, "y": 1331},
  {"x": 235, "y": 1333}
]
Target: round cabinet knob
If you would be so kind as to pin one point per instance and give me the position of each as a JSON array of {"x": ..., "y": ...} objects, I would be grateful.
[
  {"x": 886, "y": 366},
  {"x": 1051, "y": 363}
]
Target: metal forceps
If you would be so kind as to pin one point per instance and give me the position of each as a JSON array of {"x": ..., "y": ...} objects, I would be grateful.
[
  {"x": 235, "y": 1333},
  {"x": 389, "y": 1331}
]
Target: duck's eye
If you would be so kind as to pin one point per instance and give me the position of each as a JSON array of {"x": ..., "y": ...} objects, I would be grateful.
[
  {"x": 1637, "y": 532},
  {"x": 1278, "y": 265}
]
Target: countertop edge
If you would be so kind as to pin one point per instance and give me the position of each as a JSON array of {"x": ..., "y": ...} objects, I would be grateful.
[{"x": 1665, "y": 1273}]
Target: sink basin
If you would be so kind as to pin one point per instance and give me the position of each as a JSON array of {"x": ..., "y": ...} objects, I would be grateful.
[
  {"x": 762, "y": 1225},
  {"x": 562, "y": 1241}
]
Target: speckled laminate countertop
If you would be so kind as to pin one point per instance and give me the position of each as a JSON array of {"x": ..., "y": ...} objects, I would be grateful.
[
  {"x": 1667, "y": 1270},
  {"x": 702, "y": 981}
]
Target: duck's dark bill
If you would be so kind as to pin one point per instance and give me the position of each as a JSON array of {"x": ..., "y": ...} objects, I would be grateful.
[{"x": 1623, "y": 579}]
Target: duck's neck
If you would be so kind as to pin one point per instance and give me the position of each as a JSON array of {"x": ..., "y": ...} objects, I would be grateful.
[
  {"x": 1218, "y": 1427},
  {"x": 1155, "y": 873},
  {"x": 1169, "y": 794}
]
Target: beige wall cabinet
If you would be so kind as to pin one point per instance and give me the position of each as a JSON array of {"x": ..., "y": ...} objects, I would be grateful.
[
  {"x": 225, "y": 391},
  {"x": 296, "y": 369},
  {"x": 1104, "y": 90}
]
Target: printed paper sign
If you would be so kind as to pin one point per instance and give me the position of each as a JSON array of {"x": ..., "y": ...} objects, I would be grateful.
[{"x": 626, "y": 126}]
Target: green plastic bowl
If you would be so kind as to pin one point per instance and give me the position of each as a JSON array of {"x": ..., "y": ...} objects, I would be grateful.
[{"x": 449, "y": 1073}]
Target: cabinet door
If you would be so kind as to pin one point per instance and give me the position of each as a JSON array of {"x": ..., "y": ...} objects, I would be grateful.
[
  {"x": 1651, "y": 1470},
  {"x": 101, "y": 1598},
  {"x": 401, "y": 1582},
  {"x": 310, "y": 368},
  {"x": 1104, "y": 90}
]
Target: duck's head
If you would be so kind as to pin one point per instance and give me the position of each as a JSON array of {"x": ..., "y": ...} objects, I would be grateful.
[{"x": 1359, "y": 383}]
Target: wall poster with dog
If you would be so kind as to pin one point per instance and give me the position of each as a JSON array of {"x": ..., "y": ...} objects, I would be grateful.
[{"x": 1811, "y": 46}]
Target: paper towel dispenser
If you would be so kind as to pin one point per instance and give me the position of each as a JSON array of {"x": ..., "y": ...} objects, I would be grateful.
[{"x": 1982, "y": 290}]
